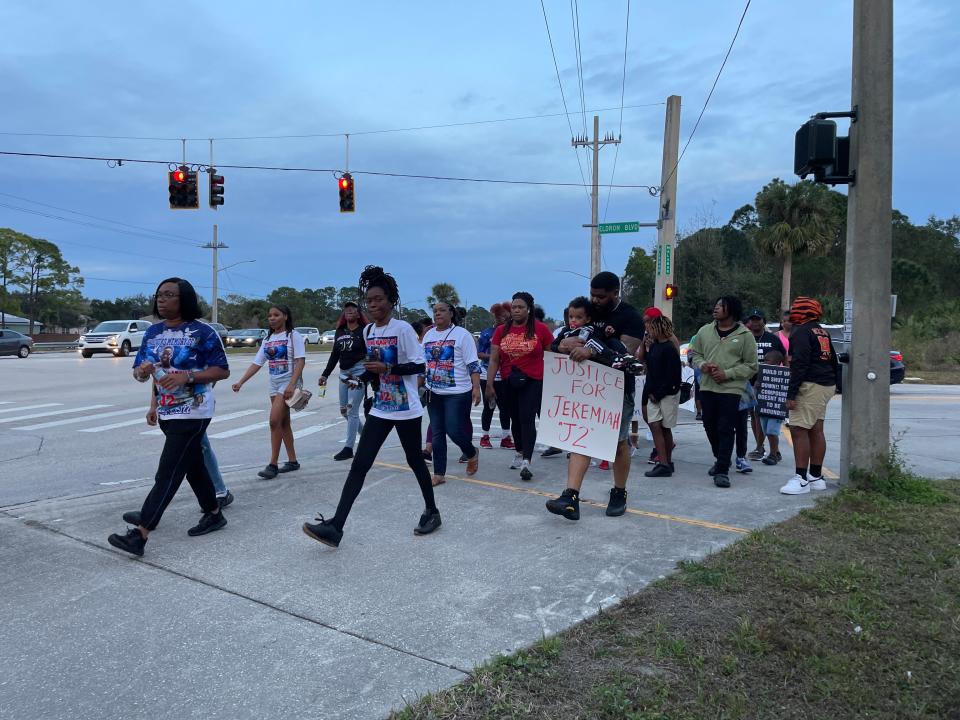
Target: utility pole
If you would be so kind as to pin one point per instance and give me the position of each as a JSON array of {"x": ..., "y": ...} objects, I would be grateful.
[
  {"x": 667, "y": 228},
  {"x": 596, "y": 144},
  {"x": 865, "y": 419},
  {"x": 215, "y": 246}
]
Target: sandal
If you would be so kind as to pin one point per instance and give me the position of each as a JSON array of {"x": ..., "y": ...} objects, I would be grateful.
[
  {"x": 473, "y": 464},
  {"x": 269, "y": 472},
  {"x": 289, "y": 466},
  {"x": 438, "y": 480}
]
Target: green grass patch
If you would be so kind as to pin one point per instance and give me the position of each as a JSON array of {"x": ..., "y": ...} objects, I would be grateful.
[{"x": 849, "y": 610}]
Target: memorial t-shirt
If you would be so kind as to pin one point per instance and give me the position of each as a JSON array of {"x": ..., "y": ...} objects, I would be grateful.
[
  {"x": 519, "y": 351},
  {"x": 451, "y": 357},
  {"x": 189, "y": 347},
  {"x": 275, "y": 351},
  {"x": 395, "y": 343}
]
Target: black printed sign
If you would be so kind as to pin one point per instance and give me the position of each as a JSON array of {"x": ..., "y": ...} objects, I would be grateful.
[{"x": 772, "y": 396}]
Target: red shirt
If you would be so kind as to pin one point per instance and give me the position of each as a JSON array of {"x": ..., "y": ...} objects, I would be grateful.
[{"x": 519, "y": 351}]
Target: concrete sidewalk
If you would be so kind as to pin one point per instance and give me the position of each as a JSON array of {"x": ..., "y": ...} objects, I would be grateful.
[{"x": 259, "y": 621}]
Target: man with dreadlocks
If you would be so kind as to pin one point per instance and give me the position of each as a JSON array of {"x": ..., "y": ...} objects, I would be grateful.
[
  {"x": 813, "y": 381},
  {"x": 395, "y": 358}
]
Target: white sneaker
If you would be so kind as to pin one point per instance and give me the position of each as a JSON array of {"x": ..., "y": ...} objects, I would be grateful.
[
  {"x": 796, "y": 486},
  {"x": 817, "y": 483},
  {"x": 517, "y": 461}
]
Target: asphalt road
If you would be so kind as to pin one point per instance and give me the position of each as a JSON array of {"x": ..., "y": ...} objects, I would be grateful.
[{"x": 259, "y": 621}]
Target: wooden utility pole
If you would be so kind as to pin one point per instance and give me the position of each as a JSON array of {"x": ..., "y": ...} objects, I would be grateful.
[
  {"x": 667, "y": 228},
  {"x": 596, "y": 144}
]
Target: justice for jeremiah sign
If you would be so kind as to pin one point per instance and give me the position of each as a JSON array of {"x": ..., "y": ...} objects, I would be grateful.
[{"x": 581, "y": 407}]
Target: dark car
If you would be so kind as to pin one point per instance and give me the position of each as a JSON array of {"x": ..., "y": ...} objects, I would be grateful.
[
  {"x": 898, "y": 369},
  {"x": 248, "y": 338},
  {"x": 14, "y": 343},
  {"x": 221, "y": 331}
]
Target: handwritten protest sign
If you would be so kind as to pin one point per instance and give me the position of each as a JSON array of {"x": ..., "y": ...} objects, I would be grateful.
[
  {"x": 581, "y": 407},
  {"x": 772, "y": 397}
]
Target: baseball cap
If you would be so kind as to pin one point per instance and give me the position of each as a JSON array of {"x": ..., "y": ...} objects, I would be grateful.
[
  {"x": 652, "y": 312},
  {"x": 756, "y": 312}
]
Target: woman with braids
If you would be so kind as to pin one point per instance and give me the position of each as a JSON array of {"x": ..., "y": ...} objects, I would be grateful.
[
  {"x": 285, "y": 353},
  {"x": 516, "y": 351},
  {"x": 395, "y": 357},
  {"x": 452, "y": 383},
  {"x": 349, "y": 351}
]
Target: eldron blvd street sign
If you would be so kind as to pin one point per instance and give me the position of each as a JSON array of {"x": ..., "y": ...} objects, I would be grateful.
[{"x": 621, "y": 227}]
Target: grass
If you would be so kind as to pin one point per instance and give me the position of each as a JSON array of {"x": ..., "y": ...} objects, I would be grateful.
[
  {"x": 849, "y": 610},
  {"x": 934, "y": 377}
]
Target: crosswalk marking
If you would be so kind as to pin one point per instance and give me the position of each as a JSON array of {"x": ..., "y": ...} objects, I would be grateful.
[
  {"x": 28, "y": 407},
  {"x": 113, "y": 426},
  {"x": 315, "y": 429},
  {"x": 256, "y": 426},
  {"x": 52, "y": 412},
  {"x": 72, "y": 421}
]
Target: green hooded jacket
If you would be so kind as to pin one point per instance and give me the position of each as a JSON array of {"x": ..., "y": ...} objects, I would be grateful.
[{"x": 735, "y": 354}]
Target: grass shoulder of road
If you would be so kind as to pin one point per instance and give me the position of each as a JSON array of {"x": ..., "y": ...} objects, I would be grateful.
[
  {"x": 934, "y": 377},
  {"x": 253, "y": 350},
  {"x": 849, "y": 610}
]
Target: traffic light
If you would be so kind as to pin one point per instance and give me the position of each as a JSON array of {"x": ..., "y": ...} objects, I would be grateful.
[
  {"x": 216, "y": 188},
  {"x": 183, "y": 189},
  {"x": 345, "y": 184},
  {"x": 670, "y": 292}
]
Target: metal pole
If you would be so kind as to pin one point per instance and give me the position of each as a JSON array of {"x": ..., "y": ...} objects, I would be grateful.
[
  {"x": 594, "y": 201},
  {"x": 667, "y": 229},
  {"x": 346, "y": 167},
  {"x": 216, "y": 272},
  {"x": 865, "y": 416}
]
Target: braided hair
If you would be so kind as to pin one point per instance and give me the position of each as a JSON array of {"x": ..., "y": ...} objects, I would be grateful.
[
  {"x": 662, "y": 326},
  {"x": 375, "y": 276}
]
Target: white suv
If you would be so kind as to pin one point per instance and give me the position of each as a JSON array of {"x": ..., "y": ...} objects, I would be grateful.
[
  {"x": 117, "y": 337},
  {"x": 311, "y": 335}
]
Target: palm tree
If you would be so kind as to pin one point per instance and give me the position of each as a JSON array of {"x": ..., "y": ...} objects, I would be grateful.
[
  {"x": 443, "y": 292},
  {"x": 793, "y": 220}
]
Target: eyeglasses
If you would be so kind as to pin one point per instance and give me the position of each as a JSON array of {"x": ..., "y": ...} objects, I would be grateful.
[{"x": 167, "y": 295}]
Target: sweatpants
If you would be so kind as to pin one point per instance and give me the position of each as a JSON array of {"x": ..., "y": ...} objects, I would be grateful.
[
  {"x": 374, "y": 434},
  {"x": 524, "y": 405},
  {"x": 720, "y": 413},
  {"x": 450, "y": 417},
  {"x": 182, "y": 456},
  {"x": 487, "y": 414}
]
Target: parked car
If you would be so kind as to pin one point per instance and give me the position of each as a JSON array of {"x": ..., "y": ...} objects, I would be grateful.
[
  {"x": 14, "y": 343},
  {"x": 117, "y": 337},
  {"x": 311, "y": 335},
  {"x": 328, "y": 337},
  {"x": 221, "y": 331},
  {"x": 250, "y": 337}
]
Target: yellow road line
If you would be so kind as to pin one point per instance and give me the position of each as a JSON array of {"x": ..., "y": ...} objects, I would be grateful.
[{"x": 591, "y": 503}]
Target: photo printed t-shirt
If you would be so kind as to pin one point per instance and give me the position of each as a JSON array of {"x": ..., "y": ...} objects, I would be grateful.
[
  {"x": 189, "y": 347},
  {"x": 451, "y": 356},
  {"x": 519, "y": 351},
  {"x": 275, "y": 352},
  {"x": 395, "y": 343}
]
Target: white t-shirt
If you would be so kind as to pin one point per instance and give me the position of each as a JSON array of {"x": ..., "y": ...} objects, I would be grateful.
[
  {"x": 395, "y": 343},
  {"x": 274, "y": 351},
  {"x": 451, "y": 356}
]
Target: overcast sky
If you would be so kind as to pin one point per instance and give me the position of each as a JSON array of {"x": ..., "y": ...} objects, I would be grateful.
[{"x": 296, "y": 68}]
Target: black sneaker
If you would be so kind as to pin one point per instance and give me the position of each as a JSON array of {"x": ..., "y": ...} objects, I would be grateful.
[
  {"x": 225, "y": 500},
  {"x": 551, "y": 451},
  {"x": 324, "y": 531},
  {"x": 208, "y": 523},
  {"x": 269, "y": 472},
  {"x": 699, "y": 417},
  {"x": 525, "y": 473},
  {"x": 289, "y": 466},
  {"x": 463, "y": 459},
  {"x": 756, "y": 454},
  {"x": 772, "y": 459},
  {"x": 654, "y": 458},
  {"x": 344, "y": 454},
  {"x": 618, "y": 502},
  {"x": 428, "y": 456},
  {"x": 132, "y": 518},
  {"x": 672, "y": 467},
  {"x": 713, "y": 470},
  {"x": 568, "y": 505},
  {"x": 721, "y": 480},
  {"x": 429, "y": 521},
  {"x": 659, "y": 470},
  {"x": 131, "y": 542}
]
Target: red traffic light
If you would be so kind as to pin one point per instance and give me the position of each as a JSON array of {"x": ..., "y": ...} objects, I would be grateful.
[
  {"x": 179, "y": 176},
  {"x": 344, "y": 183}
]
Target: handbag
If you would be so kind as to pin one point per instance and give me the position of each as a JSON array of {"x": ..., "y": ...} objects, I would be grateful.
[
  {"x": 685, "y": 389},
  {"x": 298, "y": 401}
]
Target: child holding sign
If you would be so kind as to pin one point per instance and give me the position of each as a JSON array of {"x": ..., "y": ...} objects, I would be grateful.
[{"x": 771, "y": 424}]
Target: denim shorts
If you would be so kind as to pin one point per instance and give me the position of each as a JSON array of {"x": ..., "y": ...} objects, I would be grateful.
[
  {"x": 279, "y": 384},
  {"x": 626, "y": 417},
  {"x": 770, "y": 425}
]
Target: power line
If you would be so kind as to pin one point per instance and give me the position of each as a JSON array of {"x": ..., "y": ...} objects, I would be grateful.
[
  {"x": 710, "y": 94},
  {"x": 304, "y": 136},
  {"x": 279, "y": 168},
  {"x": 563, "y": 97},
  {"x": 623, "y": 87}
]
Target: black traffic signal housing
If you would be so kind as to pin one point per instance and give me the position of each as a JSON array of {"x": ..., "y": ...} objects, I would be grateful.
[
  {"x": 819, "y": 152},
  {"x": 183, "y": 189},
  {"x": 346, "y": 187},
  {"x": 216, "y": 188},
  {"x": 669, "y": 292}
]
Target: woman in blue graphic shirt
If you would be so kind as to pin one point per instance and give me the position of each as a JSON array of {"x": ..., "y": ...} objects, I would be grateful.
[{"x": 184, "y": 357}]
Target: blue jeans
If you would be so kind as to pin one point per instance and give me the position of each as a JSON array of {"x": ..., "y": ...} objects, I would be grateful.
[
  {"x": 213, "y": 468},
  {"x": 450, "y": 417},
  {"x": 351, "y": 401}
]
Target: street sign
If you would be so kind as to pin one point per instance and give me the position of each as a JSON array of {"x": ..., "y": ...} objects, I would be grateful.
[
  {"x": 620, "y": 227},
  {"x": 667, "y": 263}
]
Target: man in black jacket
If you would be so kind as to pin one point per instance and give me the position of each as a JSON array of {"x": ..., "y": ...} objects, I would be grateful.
[{"x": 813, "y": 381}]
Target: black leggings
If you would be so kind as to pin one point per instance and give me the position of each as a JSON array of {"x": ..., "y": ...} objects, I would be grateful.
[
  {"x": 487, "y": 414},
  {"x": 182, "y": 455},
  {"x": 375, "y": 432},
  {"x": 524, "y": 405}
]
